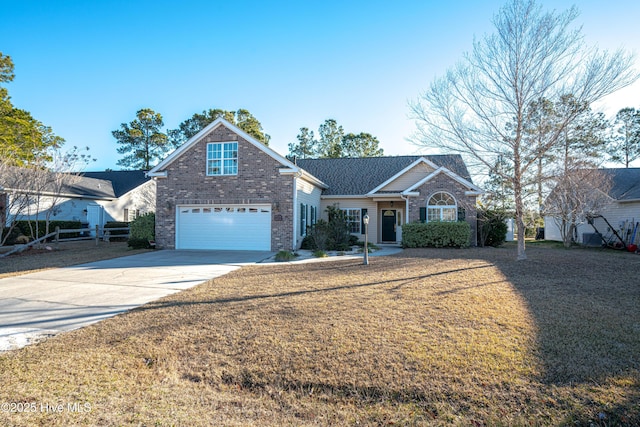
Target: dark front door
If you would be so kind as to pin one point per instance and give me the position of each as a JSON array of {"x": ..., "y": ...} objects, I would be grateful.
[{"x": 388, "y": 225}]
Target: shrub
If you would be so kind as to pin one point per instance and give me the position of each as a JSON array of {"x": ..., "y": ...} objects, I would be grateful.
[
  {"x": 308, "y": 242},
  {"x": 436, "y": 234},
  {"x": 142, "y": 230},
  {"x": 492, "y": 228},
  {"x": 28, "y": 228},
  {"x": 13, "y": 235},
  {"x": 115, "y": 233},
  {"x": 285, "y": 256},
  {"x": 320, "y": 254}
]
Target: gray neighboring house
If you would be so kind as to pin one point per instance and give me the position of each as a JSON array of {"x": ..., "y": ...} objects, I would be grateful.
[
  {"x": 93, "y": 198},
  {"x": 623, "y": 208},
  {"x": 223, "y": 189}
]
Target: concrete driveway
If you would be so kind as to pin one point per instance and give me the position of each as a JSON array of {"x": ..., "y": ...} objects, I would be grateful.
[{"x": 37, "y": 305}]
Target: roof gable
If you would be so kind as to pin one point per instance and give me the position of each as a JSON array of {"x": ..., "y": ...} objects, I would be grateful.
[
  {"x": 160, "y": 168},
  {"x": 407, "y": 177}
]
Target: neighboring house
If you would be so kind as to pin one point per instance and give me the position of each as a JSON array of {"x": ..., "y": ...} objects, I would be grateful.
[
  {"x": 134, "y": 191},
  {"x": 223, "y": 189},
  {"x": 620, "y": 212},
  {"x": 93, "y": 198}
]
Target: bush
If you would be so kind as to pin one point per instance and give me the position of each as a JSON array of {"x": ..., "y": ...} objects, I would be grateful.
[
  {"x": 142, "y": 230},
  {"x": 330, "y": 236},
  {"x": 13, "y": 235},
  {"x": 28, "y": 228},
  {"x": 436, "y": 234},
  {"x": 285, "y": 256},
  {"x": 308, "y": 242},
  {"x": 492, "y": 228},
  {"x": 115, "y": 233},
  {"x": 320, "y": 254}
]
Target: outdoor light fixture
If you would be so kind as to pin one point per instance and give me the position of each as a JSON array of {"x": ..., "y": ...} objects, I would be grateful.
[{"x": 365, "y": 220}]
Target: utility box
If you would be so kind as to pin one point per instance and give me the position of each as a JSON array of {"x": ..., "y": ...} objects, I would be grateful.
[{"x": 592, "y": 239}]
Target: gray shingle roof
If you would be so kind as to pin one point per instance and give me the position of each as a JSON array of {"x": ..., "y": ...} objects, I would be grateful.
[
  {"x": 89, "y": 187},
  {"x": 355, "y": 176},
  {"x": 21, "y": 179},
  {"x": 625, "y": 183},
  {"x": 122, "y": 181}
]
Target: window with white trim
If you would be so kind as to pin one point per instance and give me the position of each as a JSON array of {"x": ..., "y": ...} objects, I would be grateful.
[
  {"x": 303, "y": 219},
  {"x": 353, "y": 220},
  {"x": 442, "y": 207},
  {"x": 222, "y": 158}
]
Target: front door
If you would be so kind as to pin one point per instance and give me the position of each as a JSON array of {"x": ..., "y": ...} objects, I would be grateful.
[{"x": 388, "y": 225}]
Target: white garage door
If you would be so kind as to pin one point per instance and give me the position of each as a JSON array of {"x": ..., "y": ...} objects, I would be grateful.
[{"x": 231, "y": 227}]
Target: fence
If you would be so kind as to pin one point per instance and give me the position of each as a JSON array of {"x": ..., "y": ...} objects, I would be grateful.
[{"x": 101, "y": 233}]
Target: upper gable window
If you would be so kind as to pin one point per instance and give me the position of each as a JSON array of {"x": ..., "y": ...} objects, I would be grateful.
[
  {"x": 442, "y": 207},
  {"x": 222, "y": 158}
]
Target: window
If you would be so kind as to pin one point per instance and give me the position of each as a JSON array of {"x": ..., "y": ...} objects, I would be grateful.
[
  {"x": 131, "y": 214},
  {"x": 222, "y": 158},
  {"x": 442, "y": 207},
  {"x": 303, "y": 219},
  {"x": 353, "y": 220},
  {"x": 313, "y": 215}
]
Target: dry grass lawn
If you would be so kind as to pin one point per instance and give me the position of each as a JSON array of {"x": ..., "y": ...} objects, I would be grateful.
[{"x": 428, "y": 337}]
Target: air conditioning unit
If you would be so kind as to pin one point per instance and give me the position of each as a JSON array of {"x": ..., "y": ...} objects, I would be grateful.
[{"x": 592, "y": 239}]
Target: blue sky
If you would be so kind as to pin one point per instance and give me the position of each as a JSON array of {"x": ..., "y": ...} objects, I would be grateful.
[{"x": 85, "y": 67}]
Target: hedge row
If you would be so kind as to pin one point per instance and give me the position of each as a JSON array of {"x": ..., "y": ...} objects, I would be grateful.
[
  {"x": 28, "y": 228},
  {"x": 436, "y": 234}
]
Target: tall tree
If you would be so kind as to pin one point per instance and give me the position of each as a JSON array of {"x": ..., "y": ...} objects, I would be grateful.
[
  {"x": 6, "y": 68},
  {"x": 334, "y": 143},
  {"x": 330, "y": 142},
  {"x": 241, "y": 118},
  {"x": 625, "y": 145},
  {"x": 361, "y": 145},
  {"x": 142, "y": 142},
  {"x": 478, "y": 108},
  {"x": 306, "y": 146},
  {"x": 23, "y": 139},
  {"x": 580, "y": 144}
]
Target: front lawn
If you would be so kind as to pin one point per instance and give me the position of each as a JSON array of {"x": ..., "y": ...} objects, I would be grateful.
[{"x": 428, "y": 337}]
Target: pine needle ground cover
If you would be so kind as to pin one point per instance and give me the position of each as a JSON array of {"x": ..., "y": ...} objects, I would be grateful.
[{"x": 427, "y": 337}]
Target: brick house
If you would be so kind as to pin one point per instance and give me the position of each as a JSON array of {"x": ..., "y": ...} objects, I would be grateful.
[{"x": 222, "y": 189}]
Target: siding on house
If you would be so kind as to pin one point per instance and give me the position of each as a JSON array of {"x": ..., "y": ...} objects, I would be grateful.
[
  {"x": 356, "y": 203},
  {"x": 141, "y": 199},
  {"x": 409, "y": 178},
  {"x": 617, "y": 213},
  {"x": 308, "y": 195}
]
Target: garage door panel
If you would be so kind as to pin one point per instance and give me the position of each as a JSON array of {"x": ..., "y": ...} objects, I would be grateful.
[{"x": 224, "y": 227}]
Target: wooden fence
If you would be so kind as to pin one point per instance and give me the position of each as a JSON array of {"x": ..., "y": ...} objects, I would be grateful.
[{"x": 101, "y": 233}]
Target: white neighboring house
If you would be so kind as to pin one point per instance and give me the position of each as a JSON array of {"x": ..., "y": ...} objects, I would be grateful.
[
  {"x": 93, "y": 198},
  {"x": 622, "y": 212}
]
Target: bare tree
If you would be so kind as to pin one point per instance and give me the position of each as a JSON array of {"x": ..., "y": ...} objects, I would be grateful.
[
  {"x": 478, "y": 109},
  {"x": 579, "y": 193},
  {"x": 38, "y": 188},
  {"x": 15, "y": 202}
]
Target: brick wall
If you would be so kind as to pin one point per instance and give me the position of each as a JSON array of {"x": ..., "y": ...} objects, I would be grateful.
[
  {"x": 443, "y": 182},
  {"x": 258, "y": 181}
]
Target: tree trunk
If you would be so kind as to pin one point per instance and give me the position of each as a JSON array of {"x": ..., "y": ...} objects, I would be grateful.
[{"x": 517, "y": 190}]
